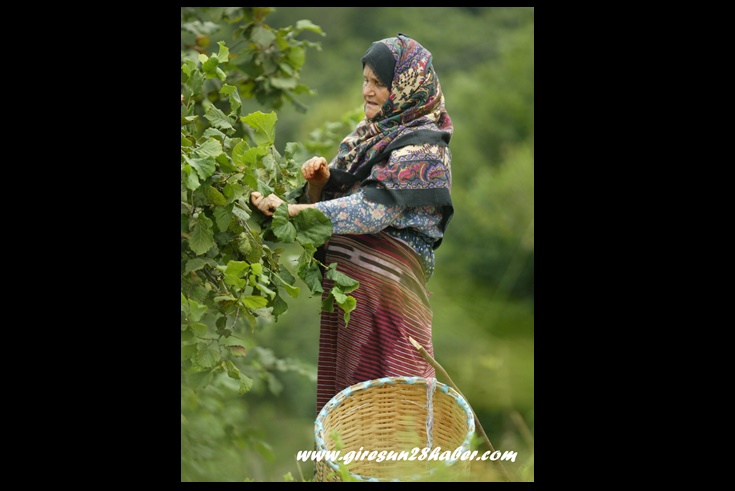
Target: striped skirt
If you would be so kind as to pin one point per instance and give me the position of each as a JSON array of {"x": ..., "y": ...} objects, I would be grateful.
[{"x": 392, "y": 304}]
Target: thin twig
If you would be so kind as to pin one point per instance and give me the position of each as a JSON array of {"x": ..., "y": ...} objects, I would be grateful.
[
  {"x": 445, "y": 375},
  {"x": 301, "y": 473},
  {"x": 523, "y": 428}
]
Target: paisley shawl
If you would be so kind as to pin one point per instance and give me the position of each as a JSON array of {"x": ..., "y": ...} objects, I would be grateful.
[{"x": 417, "y": 174}]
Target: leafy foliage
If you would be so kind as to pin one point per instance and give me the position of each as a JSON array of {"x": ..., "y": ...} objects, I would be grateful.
[
  {"x": 232, "y": 267},
  {"x": 268, "y": 61}
]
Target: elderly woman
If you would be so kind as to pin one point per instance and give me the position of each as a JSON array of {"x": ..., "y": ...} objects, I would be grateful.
[{"x": 387, "y": 193}]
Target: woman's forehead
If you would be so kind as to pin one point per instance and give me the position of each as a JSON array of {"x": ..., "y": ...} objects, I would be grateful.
[{"x": 368, "y": 72}]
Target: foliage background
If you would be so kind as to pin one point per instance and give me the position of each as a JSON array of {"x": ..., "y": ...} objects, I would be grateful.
[{"x": 483, "y": 287}]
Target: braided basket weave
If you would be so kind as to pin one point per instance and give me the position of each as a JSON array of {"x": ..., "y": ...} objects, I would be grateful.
[{"x": 392, "y": 414}]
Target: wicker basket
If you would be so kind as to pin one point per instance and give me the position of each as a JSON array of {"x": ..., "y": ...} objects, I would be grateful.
[{"x": 391, "y": 415}]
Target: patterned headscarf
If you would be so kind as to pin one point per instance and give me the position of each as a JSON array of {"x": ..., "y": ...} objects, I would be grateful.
[{"x": 411, "y": 176}]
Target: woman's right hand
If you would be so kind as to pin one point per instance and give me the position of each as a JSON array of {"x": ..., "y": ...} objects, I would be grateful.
[{"x": 316, "y": 172}]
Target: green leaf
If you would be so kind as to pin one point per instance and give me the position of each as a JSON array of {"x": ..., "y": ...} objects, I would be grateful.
[
  {"x": 237, "y": 268},
  {"x": 188, "y": 351},
  {"x": 286, "y": 276},
  {"x": 186, "y": 141},
  {"x": 201, "y": 238},
  {"x": 256, "y": 250},
  {"x": 296, "y": 56},
  {"x": 309, "y": 251},
  {"x": 232, "y": 371},
  {"x": 224, "y": 298},
  {"x": 311, "y": 275},
  {"x": 198, "y": 329},
  {"x": 328, "y": 304},
  {"x": 282, "y": 226},
  {"x": 224, "y": 53},
  {"x": 198, "y": 263},
  {"x": 293, "y": 291},
  {"x": 246, "y": 156},
  {"x": 346, "y": 302},
  {"x": 210, "y": 148},
  {"x": 254, "y": 302},
  {"x": 279, "y": 306},
  {"x": 290, "y": 151},
  {"x": 191, "y": 308},
  {"x": 209, "y": 65},
  {"x": 187, "y": 120},
  {"x": 345, "y": 283},
  {"x": 214, "y": 133},
  {"x": 235, "y": 272},
  {"x": 262, "y": 36},
  {"x": 241, "y": 212},
  {"x": 338, "y": 294},
  {"x": 207, "y": 355},
  {"x": 264, "y": 289},
  {"x": 283, "y": 83},
  {"x": 348, "y": 305},
  {"x": 199, "y": 380},
  {"x": 234, "y": 97},
  {"x": 288, "y": 69},
  {"x": 218, "y": 119},
  {"x": 271, "y": 166},
  {"x": 263, "y": 126},
  {"x": 188, "y": 67},
  {"x": 200, "y": 294},
  {"x": 223, "y": 216},
  {"x": 263, "y": 188},
  {"x": 191, "y": 180},
  {"x": 250, "y": 179},
  {"x": 312, "y": 226},
  {"x": 286, "y": 281},
  {"x": 307, "y": 25},
  {"x": 204, "y": 166},
  {"x": 226, "y": 164},
  {"x": 246, "y": 383},
  {"x": 244, "y": 246},
  {"x": 234, "y": 190},
  {"x": 249, "y": 319},
  {"x": 215, "y": 196},
  {"x": 196, "y": 80}
]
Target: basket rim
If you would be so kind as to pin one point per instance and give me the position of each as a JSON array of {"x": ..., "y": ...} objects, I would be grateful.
[{"x": 337, "y": 399}]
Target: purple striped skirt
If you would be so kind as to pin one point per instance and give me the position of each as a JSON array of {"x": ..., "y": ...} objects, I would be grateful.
[{"x": 392, "y": 304}]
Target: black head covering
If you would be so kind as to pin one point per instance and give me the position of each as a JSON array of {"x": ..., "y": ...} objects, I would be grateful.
[{"x": 381, "y": 61}]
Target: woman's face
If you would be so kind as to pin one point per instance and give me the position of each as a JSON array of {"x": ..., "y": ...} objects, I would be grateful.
[{"x": 374, "y": 92}]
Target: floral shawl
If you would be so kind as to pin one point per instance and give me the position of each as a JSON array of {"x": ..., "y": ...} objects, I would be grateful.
[{"x": 418, "y": 174}]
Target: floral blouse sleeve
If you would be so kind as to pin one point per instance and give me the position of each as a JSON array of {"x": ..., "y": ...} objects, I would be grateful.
[
  {"x": 417, "y": 226},
  {"x": 355, "y": 215}
]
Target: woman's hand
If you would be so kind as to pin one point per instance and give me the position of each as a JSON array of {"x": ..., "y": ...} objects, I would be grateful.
[
  {"x": 266, "y": 204},
  {"x": 316, "y": 172},
  {"x": 269, "y": 204}
]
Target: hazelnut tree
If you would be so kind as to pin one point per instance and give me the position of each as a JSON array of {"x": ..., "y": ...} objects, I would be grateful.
[{"x": 233, "y": 268}]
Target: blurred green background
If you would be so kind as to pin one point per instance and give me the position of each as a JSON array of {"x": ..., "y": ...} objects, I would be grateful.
[{"x": 483, "y": 286}]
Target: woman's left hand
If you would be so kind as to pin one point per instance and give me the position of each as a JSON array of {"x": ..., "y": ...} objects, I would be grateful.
[{"x": 266, "y": 204}]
